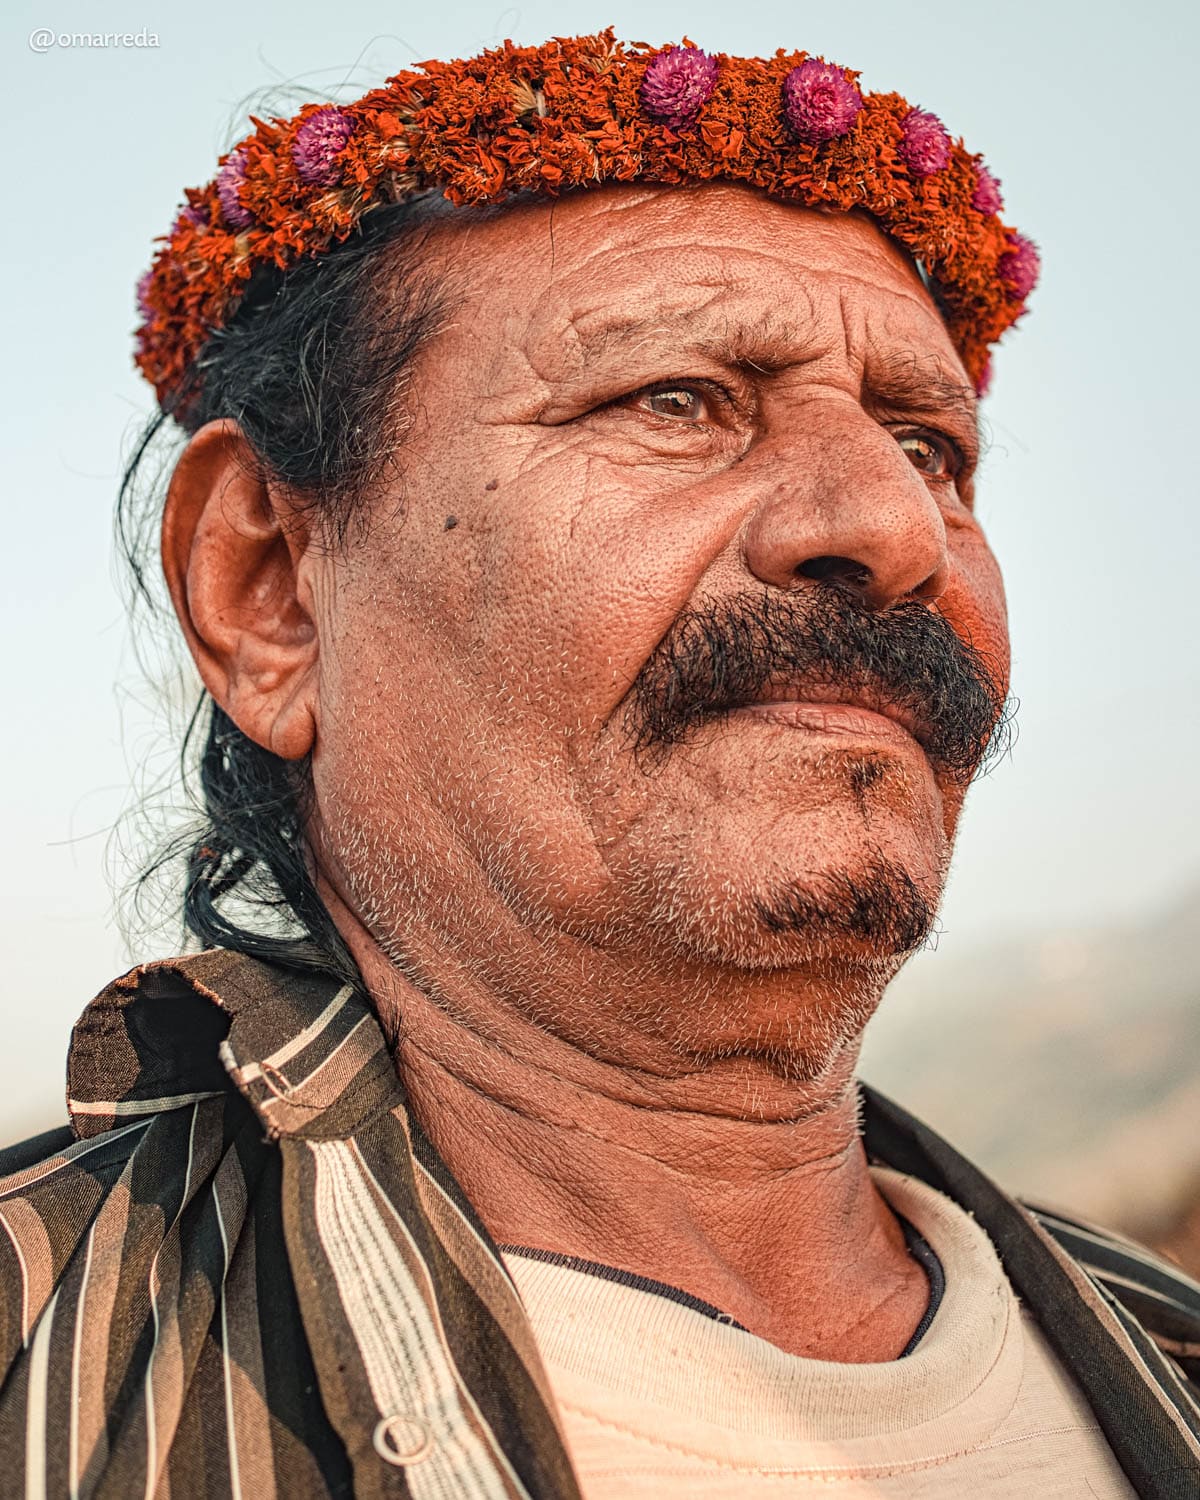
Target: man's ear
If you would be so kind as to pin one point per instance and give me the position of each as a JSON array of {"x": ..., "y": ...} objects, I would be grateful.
[{"x": 231, "y": 552}]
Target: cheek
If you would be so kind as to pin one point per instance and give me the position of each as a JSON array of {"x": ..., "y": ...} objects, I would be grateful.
[
  {"x": 585, "y": 570},
  {"x": 974, "y": 601}
]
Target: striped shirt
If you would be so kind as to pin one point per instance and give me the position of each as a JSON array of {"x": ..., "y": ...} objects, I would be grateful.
[{"x": 243, "y": 1272}]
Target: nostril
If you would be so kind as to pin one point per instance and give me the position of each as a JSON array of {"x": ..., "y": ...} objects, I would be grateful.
[{"x": 837, "y": 570}]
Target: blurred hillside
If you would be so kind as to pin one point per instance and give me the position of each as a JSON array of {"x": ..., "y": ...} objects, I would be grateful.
[{"x": 1067, "y": 1067}]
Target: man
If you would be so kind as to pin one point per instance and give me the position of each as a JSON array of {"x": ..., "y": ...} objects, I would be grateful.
[{"x": 600, "y": 640}]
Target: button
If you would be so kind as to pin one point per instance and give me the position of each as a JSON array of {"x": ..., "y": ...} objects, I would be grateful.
[{"x": 401, "y": 1439}]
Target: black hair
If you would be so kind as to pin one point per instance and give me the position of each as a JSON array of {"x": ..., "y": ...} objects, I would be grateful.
[{"x": 314, "y": 367}]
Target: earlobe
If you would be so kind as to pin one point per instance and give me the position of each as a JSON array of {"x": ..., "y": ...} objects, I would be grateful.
[{"x": 232, "y": 552}]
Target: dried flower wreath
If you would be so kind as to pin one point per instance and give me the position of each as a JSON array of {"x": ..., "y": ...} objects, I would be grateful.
[{"x": 573, "y": 113}]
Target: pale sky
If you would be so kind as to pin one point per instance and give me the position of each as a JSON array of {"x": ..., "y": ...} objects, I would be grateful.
[{"x": 1089, "y": 493}]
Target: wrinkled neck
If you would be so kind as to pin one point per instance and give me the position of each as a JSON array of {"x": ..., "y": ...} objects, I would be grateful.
[{"x": 748, "y": 1191}]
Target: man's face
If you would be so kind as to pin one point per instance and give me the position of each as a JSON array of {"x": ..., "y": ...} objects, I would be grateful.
[{"x": 700, "y": 449}]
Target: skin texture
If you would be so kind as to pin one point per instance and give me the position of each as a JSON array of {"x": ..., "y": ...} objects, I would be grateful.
[{"x": 613, "y": 1052}]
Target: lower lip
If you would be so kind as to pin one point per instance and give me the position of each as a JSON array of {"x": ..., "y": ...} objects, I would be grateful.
[{"x": 843, "y": 719}]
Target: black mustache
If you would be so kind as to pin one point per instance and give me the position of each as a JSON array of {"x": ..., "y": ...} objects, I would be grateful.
[{"x": 725, "y": 656}]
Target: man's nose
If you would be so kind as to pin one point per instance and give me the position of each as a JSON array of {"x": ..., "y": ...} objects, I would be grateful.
[{"x": 841, "y": 502}]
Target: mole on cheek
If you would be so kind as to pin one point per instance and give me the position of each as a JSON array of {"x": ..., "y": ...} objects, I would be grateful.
[
  {"x": 492, "y": 484},
  {"x": 451, "y": 523}
]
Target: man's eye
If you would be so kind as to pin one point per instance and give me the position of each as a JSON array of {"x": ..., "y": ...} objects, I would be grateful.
[
  {"x": 930, "y": 455},
  {"x": 675, "y": 401}
]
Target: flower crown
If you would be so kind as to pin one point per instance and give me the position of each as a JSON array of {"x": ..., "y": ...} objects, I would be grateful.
[{"x": 572, "y": 113}]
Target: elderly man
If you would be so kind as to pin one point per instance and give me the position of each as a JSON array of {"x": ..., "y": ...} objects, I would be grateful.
[{"x": 576, "y": 539}]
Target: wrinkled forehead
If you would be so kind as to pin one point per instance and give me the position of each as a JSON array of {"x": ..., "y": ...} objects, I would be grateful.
[{"x": 712, "y": 265}]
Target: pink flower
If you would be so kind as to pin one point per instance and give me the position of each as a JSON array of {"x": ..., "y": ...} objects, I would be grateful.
[
  {"x": 1019, "y": 267},
  {"x": 677, "y": 84},
  {"x": 319, "y": 142},
  {"x": 229, "y": 183},
  {"x": 925, "y": 147},
  {"x": 820, "y": 102},
  {"x": 143, "y": 295},
  {"x": 986, "y": 197}
]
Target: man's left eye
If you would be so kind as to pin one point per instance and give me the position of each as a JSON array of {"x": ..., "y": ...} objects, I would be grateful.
[{"x": 927, "y": 454}]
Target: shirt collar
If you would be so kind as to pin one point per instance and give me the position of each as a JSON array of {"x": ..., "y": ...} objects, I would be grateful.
[{"x": 305, "y": 1052}]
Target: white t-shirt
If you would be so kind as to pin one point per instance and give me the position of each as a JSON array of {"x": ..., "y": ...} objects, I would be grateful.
[{"x": 660, "y": 1400}]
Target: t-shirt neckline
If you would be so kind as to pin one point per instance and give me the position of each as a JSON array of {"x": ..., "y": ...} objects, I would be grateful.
[{"x": 918, "y": 1247}]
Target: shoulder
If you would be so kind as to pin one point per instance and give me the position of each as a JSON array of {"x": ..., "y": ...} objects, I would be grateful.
[
  {"x": 135, "y": 1265},
  {"x": 162, "y": 1152},
  {"x": 1160, "y": 1295},
  {"x": 1118, "y": 1296},
  {"x": 144, "y": 1269},
  {"x": 35, "y": 1148},
  {"x": 77, "y": 1209}
]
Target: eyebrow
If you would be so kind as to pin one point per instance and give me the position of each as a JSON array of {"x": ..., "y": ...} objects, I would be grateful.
[
  {"x": 741, "y": 344},
  {"x": 906, "y": 380},
  {"x": 910, "y": 382}
]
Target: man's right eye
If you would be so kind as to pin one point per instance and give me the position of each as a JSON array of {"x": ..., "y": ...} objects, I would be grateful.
[{"x": 690, "y": 403}]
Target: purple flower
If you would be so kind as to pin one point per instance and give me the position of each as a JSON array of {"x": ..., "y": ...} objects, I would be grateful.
[
  {"x": 677, "y": 84},
  {"x": 143, "y": 295},
  {"x": 986, "y": 197},
  {"x": 925, "y": 147},
  {"x": 1019, "y": 266},
  {"x": 229, "y": 181},
  {"x": 196, "y": 217},
  {"x": 819, "y": 101},
  {"x": 319, "y": 142}
]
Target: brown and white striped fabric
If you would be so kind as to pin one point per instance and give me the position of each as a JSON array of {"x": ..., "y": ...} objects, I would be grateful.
[{"x": 242, "y": 1272}]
